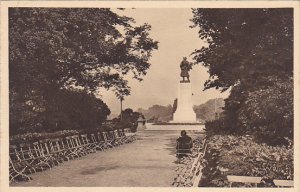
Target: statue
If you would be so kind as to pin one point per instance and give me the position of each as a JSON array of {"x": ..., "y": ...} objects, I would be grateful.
[{"x": 185, "y": 66}]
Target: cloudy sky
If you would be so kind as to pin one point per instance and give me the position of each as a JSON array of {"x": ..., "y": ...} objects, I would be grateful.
[{"x": 176, "y": 40}]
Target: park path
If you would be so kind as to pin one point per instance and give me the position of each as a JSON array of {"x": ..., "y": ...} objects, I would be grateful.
[{"x": 147, "y": 162}]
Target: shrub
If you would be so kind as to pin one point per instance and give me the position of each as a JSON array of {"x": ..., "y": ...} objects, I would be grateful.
[
  {"x": 267, "y": 112},
  {"x": 67, "y": 109},
  {"x": 244, "y": 157}
]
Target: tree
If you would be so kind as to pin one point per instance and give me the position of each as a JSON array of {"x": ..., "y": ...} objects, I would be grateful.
[
  {"x": 244, "y": 45},
  {"x": 251, "y": 52},
  {"x": 54, "y": 49},
  {"x": 69, "y": 109},
  {"x": 128, "y": 120},
  {"x": 268, "y": 112},
  {"x": 72, "y": 109},
  {"x": 90, "y": 48},
  {"x": 174, "y": 107}
]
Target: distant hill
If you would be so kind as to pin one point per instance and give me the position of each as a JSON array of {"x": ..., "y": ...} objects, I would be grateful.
[
  {"x": 204, "y": 112},
  {"x": 157, "y": 113}
]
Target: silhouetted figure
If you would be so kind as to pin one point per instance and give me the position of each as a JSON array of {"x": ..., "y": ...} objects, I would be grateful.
[
  {"x": 184, "y": 144},
  {"x": 185, "y": 66}
]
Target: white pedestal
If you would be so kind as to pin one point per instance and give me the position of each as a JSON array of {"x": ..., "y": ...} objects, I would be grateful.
[
  {"x": 184, "y": 112},
  {"x": 141, "y": 126}
]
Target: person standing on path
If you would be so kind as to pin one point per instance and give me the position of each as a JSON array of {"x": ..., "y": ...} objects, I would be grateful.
[{"x": 184, "y": 145}]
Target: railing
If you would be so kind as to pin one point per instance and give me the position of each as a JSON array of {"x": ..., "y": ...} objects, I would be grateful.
[{"x": 26, "y": 159}]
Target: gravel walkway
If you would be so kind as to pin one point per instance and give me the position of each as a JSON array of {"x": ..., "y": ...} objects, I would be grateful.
[{"x": 147, "y": 162}]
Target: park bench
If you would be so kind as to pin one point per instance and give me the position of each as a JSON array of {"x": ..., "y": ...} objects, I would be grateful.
[
  {"x": 243, "y": 179},
  {"x": 283, "y": 183}
]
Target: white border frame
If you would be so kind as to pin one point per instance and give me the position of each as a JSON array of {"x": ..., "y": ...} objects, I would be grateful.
[{"x": 4, "y": 180}]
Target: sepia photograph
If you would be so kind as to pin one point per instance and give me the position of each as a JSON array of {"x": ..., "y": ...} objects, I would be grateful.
[{"x": 149, "y": 96}]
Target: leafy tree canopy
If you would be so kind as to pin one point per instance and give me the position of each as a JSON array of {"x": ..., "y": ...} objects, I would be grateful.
[
  {"x": 244, "y": 44},
  {"x": 250, "y": 51},
  {"x": 85, "y": 47},
  {"x": 60, "y": 57}
]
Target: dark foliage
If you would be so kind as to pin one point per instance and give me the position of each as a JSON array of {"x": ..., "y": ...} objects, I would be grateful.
[
  {"x": 128, "y": 120},
  {"x": 251, "y": 52},
  {"x": 60, "y": 57},
  {"x": 66, "y": 110},
  {"x": 241, "y": 156}
]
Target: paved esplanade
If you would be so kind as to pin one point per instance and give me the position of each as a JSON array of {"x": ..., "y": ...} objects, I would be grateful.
[{"x": 147, "y": 162}]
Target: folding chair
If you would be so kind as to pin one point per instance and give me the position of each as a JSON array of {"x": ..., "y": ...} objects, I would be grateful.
[
  {"x": 102, "y": 141},
  {"x": 16, "y": 168},
  {"x": 27, "y": 159},
  {"x": 111, "y": 136},
  {"x": 42, "y": 160},
  {"x": 17, "y": 172},
  {"x": 78, "y": 146},
  {"x": 129, "y": 135},
  {"x": 123, "y": 136},
  {"x": 107, "y": 139},
  {"x": 88, "y": 147},
  {"x": 64, "y": 150},
  {"x": 72, "y": 151},
  {"x": 56, "y": 152},
  {"x": 118, "y": 139},
  {"x": 182, "y": 152},
  {"x": 97, "y": 145}
]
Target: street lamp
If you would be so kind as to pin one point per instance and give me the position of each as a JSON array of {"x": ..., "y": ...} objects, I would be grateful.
[{"x": 121, "y": 100}]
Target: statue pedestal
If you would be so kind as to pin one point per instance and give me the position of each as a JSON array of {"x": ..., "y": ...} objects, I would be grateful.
[{"x": 184, "y": 112}]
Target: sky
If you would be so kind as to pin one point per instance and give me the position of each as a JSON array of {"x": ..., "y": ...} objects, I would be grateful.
[{"x": 171, "y": 28}]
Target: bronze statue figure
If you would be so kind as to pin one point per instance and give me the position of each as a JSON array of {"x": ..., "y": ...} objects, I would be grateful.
[{"x": 185, "y": 66}]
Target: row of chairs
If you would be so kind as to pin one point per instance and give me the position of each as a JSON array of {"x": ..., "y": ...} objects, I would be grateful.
[{"x": 44, "y": 154}]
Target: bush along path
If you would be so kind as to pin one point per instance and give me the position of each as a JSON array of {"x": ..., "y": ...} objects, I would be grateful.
[
  {"x": 241, "y": 156},
  {"x": 189, "y": 168}
]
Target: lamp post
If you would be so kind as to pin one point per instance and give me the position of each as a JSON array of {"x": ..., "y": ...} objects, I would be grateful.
[
  {"x": 121, "y": 115},
  {"x": 216, "y": 114}
]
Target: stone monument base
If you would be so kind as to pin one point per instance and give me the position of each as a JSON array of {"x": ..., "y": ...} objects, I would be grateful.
[{"x": 184, "y": 112}]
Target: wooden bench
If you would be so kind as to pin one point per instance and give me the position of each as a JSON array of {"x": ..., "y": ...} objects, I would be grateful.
[
  {"x": 243, "y": 179},
  {"x": 283, "y": 183}
]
